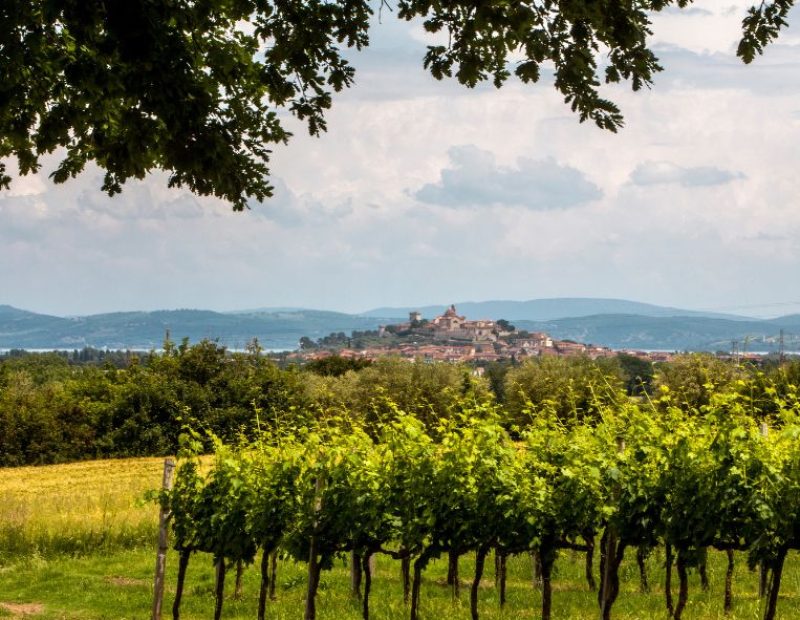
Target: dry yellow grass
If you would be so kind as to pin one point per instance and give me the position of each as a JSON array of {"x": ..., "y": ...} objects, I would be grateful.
[{"x": 77, "y": 507}]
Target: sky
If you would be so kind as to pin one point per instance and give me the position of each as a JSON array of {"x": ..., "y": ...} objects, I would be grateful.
[{"x": 428, "y": 192}]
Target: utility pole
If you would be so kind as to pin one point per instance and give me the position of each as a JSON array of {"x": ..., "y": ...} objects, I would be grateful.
[
  {"x": 781, "y": 350},
  {"x": 735, "y": 351}
]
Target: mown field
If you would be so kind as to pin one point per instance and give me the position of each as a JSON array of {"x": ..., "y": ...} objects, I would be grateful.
[
  {"x": 77, "y": 508},
  {"x": 78, "y": 541}
]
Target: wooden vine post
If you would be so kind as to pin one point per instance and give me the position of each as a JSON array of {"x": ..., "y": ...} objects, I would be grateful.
[
  {"x": 313, "y": 554},
  {"x": 163, "y": 531},
  {"x": 763, "y": 568},
  {"x": 610, "y": 559},
  {"x": 356, "y": 575}
]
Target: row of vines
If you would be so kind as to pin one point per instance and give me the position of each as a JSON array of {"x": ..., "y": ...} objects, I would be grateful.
[{"x": 633, "y": 477}]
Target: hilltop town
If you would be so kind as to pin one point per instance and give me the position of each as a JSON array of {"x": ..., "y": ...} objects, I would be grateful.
[{"x": 449, "y": 337}]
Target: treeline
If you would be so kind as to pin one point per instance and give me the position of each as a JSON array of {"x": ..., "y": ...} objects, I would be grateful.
[
  {"x": 52, "y": 411},
  {"x": 55, "y": 408},
  {"x": 84, "y": 356}
]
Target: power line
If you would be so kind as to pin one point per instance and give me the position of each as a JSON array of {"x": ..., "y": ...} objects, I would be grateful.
[{"x": 773, "y": 304}]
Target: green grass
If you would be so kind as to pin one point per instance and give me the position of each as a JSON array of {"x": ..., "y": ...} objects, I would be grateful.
[
  {"x": 76, "y": 542},
  {"x": 118, "y": 586}
]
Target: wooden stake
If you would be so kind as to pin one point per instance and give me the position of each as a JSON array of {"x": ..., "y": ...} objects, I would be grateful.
[
  {"x": 238, "y": 589},
  {"x": 368, "y": 564},
  {"x": 729, "y": 582},
  {"x": 355, "y": 575},
  {"x": 273, "y": 574},
  {"x": 163, "y": 531},
  {"x": 313, "y": 556},
  {"x": 609, "y": 561},
  {"x": 405, "y": 571},
  {"x": 502, "y": 580}
]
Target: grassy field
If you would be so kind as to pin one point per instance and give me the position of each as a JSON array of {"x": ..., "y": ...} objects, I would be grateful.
[
  {"x": 117, "y": 586},
  {"x": 77, "y": 508},
  {"x": 76, "y": 542}
]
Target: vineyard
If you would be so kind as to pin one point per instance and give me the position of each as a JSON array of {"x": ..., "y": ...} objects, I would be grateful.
[
  {"x": 632, "y": 477},
  {"x": 532, "y": 483}
]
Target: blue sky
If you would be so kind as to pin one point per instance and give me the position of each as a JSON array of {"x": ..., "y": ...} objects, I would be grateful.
[{"x": 427, "y": 192}]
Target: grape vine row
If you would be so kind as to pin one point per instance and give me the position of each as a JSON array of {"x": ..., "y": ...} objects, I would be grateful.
[{"x": 636, "y": 475}]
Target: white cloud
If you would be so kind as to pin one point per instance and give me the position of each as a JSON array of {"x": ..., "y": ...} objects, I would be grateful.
[
  {"x": 30, "y": 185},
  {"x": 713, "y": 26},
  {"x": 474, "y": 179},
  {"x": 664, "y": 172},
  {"x": 288, "y": 209}
]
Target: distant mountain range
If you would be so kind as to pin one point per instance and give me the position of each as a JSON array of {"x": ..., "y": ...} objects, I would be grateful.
[
  {"x": 610, "y": 322},
  {"x": 550, "y": 309},
  {"x": 673, "y": 333},
  {"x": 146, "y": 330}
]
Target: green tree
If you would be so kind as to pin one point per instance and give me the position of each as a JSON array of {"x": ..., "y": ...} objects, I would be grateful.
[
  {"x": 573, "y": 388},
  {"x": 200, "y": 89},
  {"x": 495, "y": 373},
  {"x": 335, "y": 365},
  {"x": 429, "y": 391},
  {"x": 505, "y": 326},
  {"x": 306, "y": 344},
  {"x": 147, "y": 415},
  {"x": 689, "y": 381},
  {"x": 638, "y": 374},
  {"x": 768, "y": 391}
]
